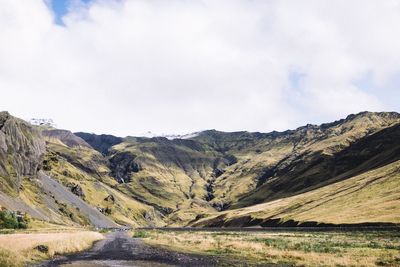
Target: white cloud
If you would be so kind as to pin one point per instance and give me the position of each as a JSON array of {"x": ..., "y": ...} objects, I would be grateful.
[{"x": 127, "y": 67}]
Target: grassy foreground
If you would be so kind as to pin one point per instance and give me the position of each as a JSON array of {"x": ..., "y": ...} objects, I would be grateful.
[
  {"x": 286, "y": 248},
  {"x": 19, "y": 249}
]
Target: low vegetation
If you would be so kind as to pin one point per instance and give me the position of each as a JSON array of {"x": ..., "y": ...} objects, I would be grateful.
[
  {"x": 12, "y": 220},
  {"x": 287, "y": 248},
  {"x": 22, "y": 248},
  {"x": 140, "y": 234}
]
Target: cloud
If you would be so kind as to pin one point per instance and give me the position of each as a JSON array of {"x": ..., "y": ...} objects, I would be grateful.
[{"x": 127, "y": 67}]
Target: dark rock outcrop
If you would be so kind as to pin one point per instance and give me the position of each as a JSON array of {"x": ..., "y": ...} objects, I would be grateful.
[
  {"x": 110, "y": 198},
  {"x": 21, "y": 151},
  {"x": 42, "y": 248},
  {"x": 101, "y": 143},
  {"x": 76, "y": 190},
  {"x": 122, "y": 166}
]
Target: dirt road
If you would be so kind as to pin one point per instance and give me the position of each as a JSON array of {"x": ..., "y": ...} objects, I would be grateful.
[{"x": 119, "y": 249}]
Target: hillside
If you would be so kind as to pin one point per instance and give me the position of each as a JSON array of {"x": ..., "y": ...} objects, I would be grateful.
[
  {"x": 76, "y": 165},
  {"x": 373, "y": 196},
  {"x": 69, "y": 183},
  {"x": 26, "y": 188},
  {"x": 21, "y": 152},
  {"x": 212, "y": 178},
  {"x": 216, "y": 171}
]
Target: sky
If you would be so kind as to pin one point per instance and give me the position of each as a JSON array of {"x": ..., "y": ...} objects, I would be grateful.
[{"x": 180, "y": 66}]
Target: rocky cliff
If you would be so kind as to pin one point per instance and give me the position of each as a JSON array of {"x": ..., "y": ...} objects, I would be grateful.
[{"x": 21, "y": 151}]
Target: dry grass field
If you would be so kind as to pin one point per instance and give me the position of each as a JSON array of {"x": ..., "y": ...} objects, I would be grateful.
[
  {"x": 18, "y": 249},
  {"x": 286, "y": 248}
]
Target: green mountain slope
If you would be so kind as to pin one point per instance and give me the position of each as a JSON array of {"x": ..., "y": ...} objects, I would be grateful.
[
  {"x": 76, "y": 165},
  {"x": 311, "y": 170},
  {"x": 213, "y": 178},
  {"x": 170, "y": 175},
  {"x": 373, "y": 196},
  {"x": 24, "y": 186},
  {"x": 217, "y": 171},
  {"x": 275, "y": 165},
  {"x": 55, "y": 176}
]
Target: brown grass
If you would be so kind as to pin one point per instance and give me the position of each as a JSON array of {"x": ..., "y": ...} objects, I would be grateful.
[
  {"x": 19, "y": 249},
  {"x": 291, "y": 248}
]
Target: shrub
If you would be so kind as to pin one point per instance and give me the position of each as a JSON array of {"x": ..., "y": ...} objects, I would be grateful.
[
  {"x": 9, "y": 220},
  {"x": 104, "y": 231},
  {"x": 140, "y": 234}
]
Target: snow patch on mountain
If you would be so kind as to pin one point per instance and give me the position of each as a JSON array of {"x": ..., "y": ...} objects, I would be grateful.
[
  {"x": 42, "y": 122},
  {"x": 150, "y": 134}
]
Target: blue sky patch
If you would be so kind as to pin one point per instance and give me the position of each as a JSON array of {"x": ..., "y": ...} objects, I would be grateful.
[
  {"x": 60, "y": 8},
  {"x": 296, "y": 78}
]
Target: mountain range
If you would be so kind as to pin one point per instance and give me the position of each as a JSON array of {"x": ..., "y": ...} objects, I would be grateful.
[{"x": 343, "y": 172}]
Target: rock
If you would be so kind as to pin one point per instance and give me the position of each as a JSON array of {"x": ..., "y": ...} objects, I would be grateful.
[
  {"x": 50, "y": 158},
  {"x": 22, "y": 148},
  {"x": 106, "y": 211},
  {"x": 166, "y": 210},
  {"x": 122, "y": 166},
  {"x": 42, "y": 248},
  {"x": 100, "y": 209},
  {"x": 218, "y": 172},
  {"x": 220, "y": 206},
  {"x": 110, "y": 198},
  {"x": 76, "y": 190},
  {"x": 148, "y": 216}
]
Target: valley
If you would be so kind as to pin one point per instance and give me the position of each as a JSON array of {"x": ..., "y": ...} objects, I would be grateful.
[
  {"x": 339, "y": 174},
  {"x": 306, "y": 174}
]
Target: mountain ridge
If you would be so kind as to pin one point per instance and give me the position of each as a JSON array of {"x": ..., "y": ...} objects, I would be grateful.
[{"x": 160, "y": 181}]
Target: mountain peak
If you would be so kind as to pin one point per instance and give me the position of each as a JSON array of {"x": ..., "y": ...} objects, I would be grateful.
[{"x": 43, "y": 122}]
